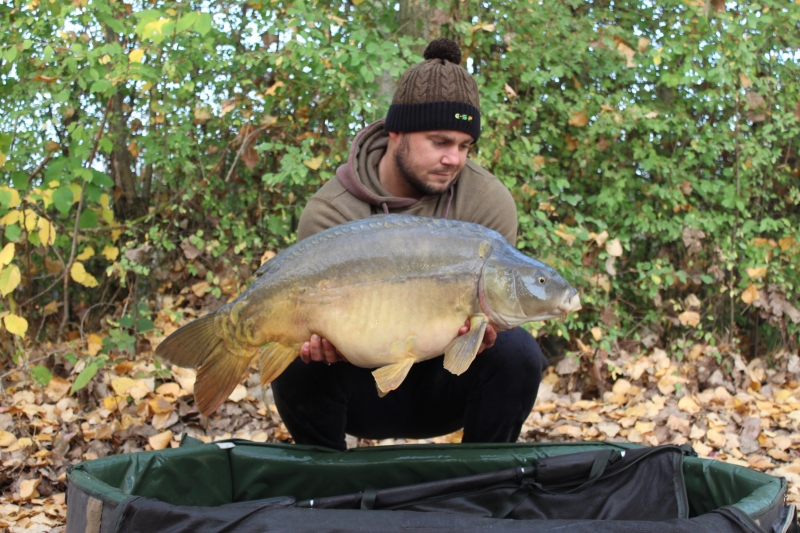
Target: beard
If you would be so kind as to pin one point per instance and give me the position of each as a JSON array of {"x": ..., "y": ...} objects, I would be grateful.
[{"x": 402, "y": 159}]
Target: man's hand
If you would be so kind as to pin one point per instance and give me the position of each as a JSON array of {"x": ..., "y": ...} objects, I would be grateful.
[
  {"x": 320, "y": 350},
  {"x": 489, "y": 336}
]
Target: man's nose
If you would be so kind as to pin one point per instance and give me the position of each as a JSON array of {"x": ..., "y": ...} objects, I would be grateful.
[{"x": 450, "y": 157}]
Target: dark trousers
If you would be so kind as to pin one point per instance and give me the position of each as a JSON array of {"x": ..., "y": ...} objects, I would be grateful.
[{"x": 320, "y": 403}]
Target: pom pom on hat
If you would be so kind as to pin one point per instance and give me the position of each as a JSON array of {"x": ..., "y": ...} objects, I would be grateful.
[{"x": 443, "y": 49}]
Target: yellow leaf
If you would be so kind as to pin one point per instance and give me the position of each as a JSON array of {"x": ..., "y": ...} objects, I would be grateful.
[
  {"x": 155, "y": 27},
  {"x": 614, "y": 248},
  {"x": 564, "y": 235},
  {"x": 750, "y": 294},
  {"x": 76, "y": 191},
  {"x": 108, "y": 215},
  {"x": 315, "y": 163},
  {"x": 104, "y": 199},
  {"x": 51, "y": 308},
  {"x": 579, "y": 119},
  {"x": 689, "y": 318},
  {"x": 3, "y": 159},
  {"x": 757, "y": 273},
  {"x": 538, "y": 162},
  {"x": 160, "y": 441},
  {"x": 16, "y": 325},
  {"x": 7, "y": 254},
  {"x": 9, "y": 279},
  {"x": 105, "y": 59},
  {"x": 688, "y": 405},
  {"x": 93, "y": 345},
  {"x": 597, "y": 333},
  {"x": 274, "y": 87},
  {"x": 358, "y": 2},
  {"x": 31, "y": 218},
  {"x": 47, "y": 233},
  {"x": 136, "y": 55},
  {"x": 657, "y": 60},
  {"x": 111, "y": 253},
  {"x": 11, "y": 218},
  {"x": 47, "y": 197},
  {"x": 79, "y": 274},
  {"x": 785, "y": 243},
  {"x": 115, "y": 234},
  {"x": 15, "y": 199},
  {"x": 85, "y": 254},
  {"x": 656, "y": 279},
  {"x": 121, "y": 385}
]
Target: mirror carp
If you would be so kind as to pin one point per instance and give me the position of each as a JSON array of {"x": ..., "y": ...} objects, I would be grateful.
[{"x": 387, "y": 291}]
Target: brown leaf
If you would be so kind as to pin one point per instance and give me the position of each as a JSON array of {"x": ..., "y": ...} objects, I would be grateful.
[
  {"x": 190, "y": 251},
  {"x": 250, "y": 156},
  {"x": 750, "y": 294},
  {"x": 511, "y": 93},
  {"x": 440, "y": 16},
  {"x": 755, "y": 100},
  {"x": 228, "y": 106},
  {"x": 269, "y": 39},
  {"x": 689, "y": 318},
  {"x": 27, "y": 488},
  {"x": 57, "y": 388},
  {"x": 688, "y": 405},
  {"x": 628, "y": 52},
  {"x": 718, "y": 5},
  {"x": 614, "y": 248},
  {"x": 579, "y": 119}
]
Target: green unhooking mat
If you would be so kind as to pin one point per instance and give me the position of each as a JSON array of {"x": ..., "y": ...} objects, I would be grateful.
[{"x": 589, "y": 487}]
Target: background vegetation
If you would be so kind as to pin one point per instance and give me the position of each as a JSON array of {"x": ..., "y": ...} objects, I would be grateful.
[{"x": 152, "y": 152}]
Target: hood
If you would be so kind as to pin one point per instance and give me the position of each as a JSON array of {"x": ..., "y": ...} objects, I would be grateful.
[{"x": 360, "y": 174}]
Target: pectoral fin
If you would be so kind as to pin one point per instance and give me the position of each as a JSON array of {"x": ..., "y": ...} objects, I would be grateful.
[
  {"x": 390, "y": 377},
  {"x": 462, "y": 350},
  {"x": 274, "y": 360}
]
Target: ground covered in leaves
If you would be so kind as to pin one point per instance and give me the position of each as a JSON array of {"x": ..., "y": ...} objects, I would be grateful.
[{"x": 747, "y": 413}]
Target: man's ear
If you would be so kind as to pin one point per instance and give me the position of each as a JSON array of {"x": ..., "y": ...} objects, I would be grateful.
[{"x": 395, "y": 135}]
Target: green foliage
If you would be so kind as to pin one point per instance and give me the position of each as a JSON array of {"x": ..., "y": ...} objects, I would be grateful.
[{"x": 651, "y": 146}]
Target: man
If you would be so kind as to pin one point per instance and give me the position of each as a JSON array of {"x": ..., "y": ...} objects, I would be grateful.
[{"x": 415, "y": 162}]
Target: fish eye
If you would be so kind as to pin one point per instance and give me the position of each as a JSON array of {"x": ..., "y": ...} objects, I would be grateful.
[{"x": 541, "y": 280}]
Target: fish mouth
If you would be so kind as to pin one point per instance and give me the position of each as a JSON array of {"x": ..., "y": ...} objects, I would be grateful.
[{"x": 570, "y": 303}]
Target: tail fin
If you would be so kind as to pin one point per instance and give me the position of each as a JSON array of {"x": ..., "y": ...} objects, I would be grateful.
[{"x": 197, "y": 345}]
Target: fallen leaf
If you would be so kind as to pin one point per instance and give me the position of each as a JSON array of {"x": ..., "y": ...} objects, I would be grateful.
[
  {"x": 7, "y": 439},
  {"x": 200, "y": 289},
  {"x": 689, "y": 318},
  {"x": 57, "y": 388},
  {"x": 756, "y": 273},
  {"x": 185, "y": 377},
  {"x": 642, "y": 44},
  {"x": 688, "y": 405},
  {"x": 609, "y": 429},
  {"x": 597, "y": 333},
  {"x": 94, "y": 343},
  {"x": 122, "y": 385},
  {"x": 27, "y": 488},
  {"x": 628, "y": 53},
  {"x": 238, "y": 394},
  {"x": 160, "y": 441}
]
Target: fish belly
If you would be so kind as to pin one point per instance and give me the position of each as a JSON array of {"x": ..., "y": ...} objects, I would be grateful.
[{"x": 378, "y": 324}]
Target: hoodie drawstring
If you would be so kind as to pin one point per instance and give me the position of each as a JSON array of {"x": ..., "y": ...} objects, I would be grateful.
[
  {"x": 449, "y": 201},
  {"x": 385, "y": 208}
]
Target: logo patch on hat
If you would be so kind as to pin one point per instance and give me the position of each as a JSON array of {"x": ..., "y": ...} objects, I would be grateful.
[{"x": 463, "y": 116}]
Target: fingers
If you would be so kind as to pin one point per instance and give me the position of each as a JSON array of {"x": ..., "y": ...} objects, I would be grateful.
[
  {"x": 489, "y": 338},
  {"x": 319, "y": 350}
]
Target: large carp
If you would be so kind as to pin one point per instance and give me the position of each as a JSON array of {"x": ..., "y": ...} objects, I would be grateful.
[{"x": 387, "y": 291}]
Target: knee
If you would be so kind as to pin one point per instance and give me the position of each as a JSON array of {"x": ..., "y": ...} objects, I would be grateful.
[{"x": 517, "y": 355}]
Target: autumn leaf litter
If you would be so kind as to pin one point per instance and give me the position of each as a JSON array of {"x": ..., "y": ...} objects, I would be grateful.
[{"x": 746, "y": 413}]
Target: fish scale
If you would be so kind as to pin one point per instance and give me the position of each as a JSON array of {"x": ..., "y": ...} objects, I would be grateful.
[{"x": 387, "y": 291}]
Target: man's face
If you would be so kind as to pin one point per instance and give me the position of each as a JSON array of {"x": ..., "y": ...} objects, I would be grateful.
[{"x": 431, "y": 160}]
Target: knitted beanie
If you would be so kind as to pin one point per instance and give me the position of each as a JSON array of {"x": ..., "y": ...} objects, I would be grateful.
[{"x": 436, "y": 94}]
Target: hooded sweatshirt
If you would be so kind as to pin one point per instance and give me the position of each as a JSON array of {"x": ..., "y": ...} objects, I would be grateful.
[{"x": 356, "y": 192}]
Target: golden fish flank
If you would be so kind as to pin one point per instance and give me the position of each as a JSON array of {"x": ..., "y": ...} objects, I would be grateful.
[{"x": 387, "y": 291}]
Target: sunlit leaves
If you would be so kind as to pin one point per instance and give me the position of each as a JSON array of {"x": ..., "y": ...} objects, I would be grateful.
[
  {"x": 15, "y": 324},
  {"x": 10, "y": 279},
  {"x": 79, "y": 274}
]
